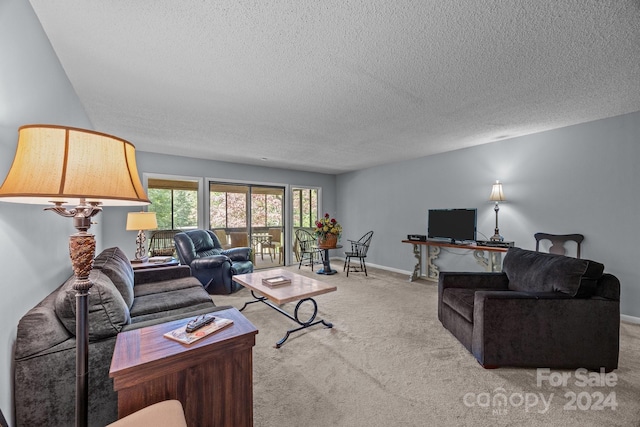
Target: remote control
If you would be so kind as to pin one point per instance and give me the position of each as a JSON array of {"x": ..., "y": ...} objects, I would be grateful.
[{"x": 198, "y": 323}]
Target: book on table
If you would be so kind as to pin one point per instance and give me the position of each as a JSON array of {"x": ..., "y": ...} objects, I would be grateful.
[
  {"x": 181, "y": 335},
  {"x": 276, "y": 281}
]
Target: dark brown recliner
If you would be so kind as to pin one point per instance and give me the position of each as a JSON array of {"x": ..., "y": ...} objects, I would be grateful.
[{"x": 542, "y": 310}]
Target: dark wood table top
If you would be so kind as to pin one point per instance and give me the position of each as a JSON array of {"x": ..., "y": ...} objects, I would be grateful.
[{"x": 149, "y": 348}]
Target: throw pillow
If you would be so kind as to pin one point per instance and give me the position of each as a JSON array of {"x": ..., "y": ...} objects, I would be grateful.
[
  {"x": 114, "y": 263},
  {"x": 530, "y": 271},
  {"x": 108, "y": 312}
]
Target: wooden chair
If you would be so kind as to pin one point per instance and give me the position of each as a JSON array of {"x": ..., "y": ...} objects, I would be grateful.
[
  {"x": 358, "y": 250},
  {"x": 223, "y": 237},
  {"x": 558, "y": 242},
  {"x": 240, "y": 239},
  {"x": 275, "y": 244},
  {"x": 162, "y": 243},
  {"x": 307, "y": 247}
]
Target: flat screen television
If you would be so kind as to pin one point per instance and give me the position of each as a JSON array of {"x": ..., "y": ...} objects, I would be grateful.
[{"x": 454, "y": 225}]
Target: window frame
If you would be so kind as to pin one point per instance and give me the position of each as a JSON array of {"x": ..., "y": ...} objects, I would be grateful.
[
  {"x": 318, "y": 202},
  {"x": 200, "y": 199}
]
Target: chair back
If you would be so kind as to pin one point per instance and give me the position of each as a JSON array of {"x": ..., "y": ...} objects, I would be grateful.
[
  {"x": 194, "y": 244},
  {"x": 361, "y": 247},
  {"x": 558, "y": 242},
  {"x": 239, "y": 239},
  {"x": 306, "y": 241},
  {"x": 276, "y": 235},
  {"x": 162, "y": 243},
  {"x": 223, "y": 237}
]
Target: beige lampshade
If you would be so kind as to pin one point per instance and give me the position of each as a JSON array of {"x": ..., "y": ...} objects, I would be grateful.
[
  {"x": 496, "y": 193},
  {"x": 141, "y": 221},
  {"x": 61, "y": 164}
]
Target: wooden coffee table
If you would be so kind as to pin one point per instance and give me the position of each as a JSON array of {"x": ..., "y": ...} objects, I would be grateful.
[{"x": 301, "y": 289}]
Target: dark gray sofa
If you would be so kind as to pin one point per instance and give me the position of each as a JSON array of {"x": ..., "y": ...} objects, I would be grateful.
[
  {"x": 542, "y": 310},
  {"x": 119, "y": 300}
]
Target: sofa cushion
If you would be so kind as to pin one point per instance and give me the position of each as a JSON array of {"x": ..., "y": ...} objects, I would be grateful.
[
  {"x": 530, "y": 271},
  {"x": 166, "y": 286},
  {"x": 115, "y": 265},
  {"x": 169, "y": 301},
  {"x": 108, "y": 312}
]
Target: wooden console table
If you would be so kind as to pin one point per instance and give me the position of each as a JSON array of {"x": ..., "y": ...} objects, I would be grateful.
[
  {"x": 212, "y": 378},
  {"x": 491, "y": 263}
]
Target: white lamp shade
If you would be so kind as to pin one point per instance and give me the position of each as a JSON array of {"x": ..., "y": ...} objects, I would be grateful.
[
  {"x": 60, "y": 164},
  {"x": 496, "y": 193},
  {"x": 141, "y": 221}
]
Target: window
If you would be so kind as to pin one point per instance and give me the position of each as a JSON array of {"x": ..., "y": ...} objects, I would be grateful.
[
  {"x": 175, "y": 203},
  {"x": 305, "y": 207},
  {"x": 228, "y": 204},
  {"x": 266, "y": 207}
]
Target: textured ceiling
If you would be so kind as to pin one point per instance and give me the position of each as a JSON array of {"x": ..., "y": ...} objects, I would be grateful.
[{"x": 340, "y": 85}]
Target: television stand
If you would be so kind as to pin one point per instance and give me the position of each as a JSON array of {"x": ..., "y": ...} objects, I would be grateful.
[{"x": 492, "y": 262}]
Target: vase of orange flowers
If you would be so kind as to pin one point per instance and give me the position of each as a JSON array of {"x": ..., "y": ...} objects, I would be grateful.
[{"x": 328, "y": 231}]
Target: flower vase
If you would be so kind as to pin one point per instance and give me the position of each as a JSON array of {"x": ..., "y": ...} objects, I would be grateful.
[{"x": 329, "y": 241}]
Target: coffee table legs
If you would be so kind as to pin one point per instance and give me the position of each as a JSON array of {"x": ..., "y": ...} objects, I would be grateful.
[{"x": 311, "y": 321}]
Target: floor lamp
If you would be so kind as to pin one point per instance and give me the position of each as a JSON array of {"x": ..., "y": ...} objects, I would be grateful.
[
  {"x": 497, "y": 195},
  {"x": 77, "y": 171}
]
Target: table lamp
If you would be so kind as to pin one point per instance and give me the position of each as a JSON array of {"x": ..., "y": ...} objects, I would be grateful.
[
  {"x": 497, "y": 196},
  {"x": 141, "y": 221},
  {"x": 77, "y": 171}
]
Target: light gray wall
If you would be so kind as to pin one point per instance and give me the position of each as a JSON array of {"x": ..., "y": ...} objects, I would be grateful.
[
  {"x": 114, "y": 222},
  {"x": 579, "y": 179},
  {"x": 34, "y": 251}
]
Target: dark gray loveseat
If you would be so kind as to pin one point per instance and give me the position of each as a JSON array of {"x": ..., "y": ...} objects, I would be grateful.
[
  {"x": 543, "y": 310},
  {"x": 119, "y": 300}
]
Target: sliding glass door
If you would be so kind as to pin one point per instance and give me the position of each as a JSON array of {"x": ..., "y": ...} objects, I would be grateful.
[{"x": 250, "y": 215}]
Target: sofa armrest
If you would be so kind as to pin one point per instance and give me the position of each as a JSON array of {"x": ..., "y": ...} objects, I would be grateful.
[
  {"x": 608, "y": 287},
  {"x": 238, "y": 254},
  {"x": 158, "y": 274},
  {"x": 473, "y": 280}
]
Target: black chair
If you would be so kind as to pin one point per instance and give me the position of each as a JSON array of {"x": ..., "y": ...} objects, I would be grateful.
[
  {"x": 358, "y": 250},
  {"x": 558, "y": 242},
  {"x": 162, "y": 243},
  {"x": 307, "y": 247},
  {"x": 210, "y": 264}
]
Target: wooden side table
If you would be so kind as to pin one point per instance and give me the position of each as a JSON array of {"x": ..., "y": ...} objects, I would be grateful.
[
  {"x": 152, "y": 264},
  {"x": 212, "y": 378}
]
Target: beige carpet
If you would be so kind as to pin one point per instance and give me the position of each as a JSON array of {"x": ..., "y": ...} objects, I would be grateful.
[{"x": 389, "y": 362}]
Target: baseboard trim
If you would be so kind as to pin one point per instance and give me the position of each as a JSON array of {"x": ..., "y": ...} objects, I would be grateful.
[
  {"x": 381, "y": 267},
  {"x": 630, "y": 319},
  {"x": 393, "y": 270}
]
